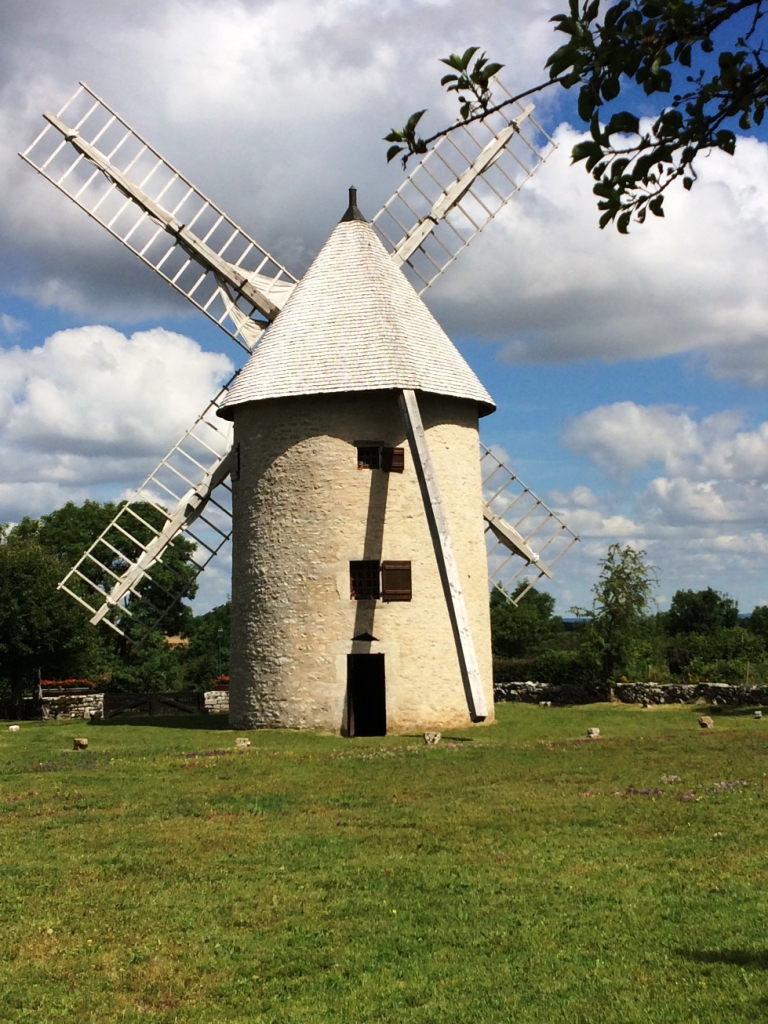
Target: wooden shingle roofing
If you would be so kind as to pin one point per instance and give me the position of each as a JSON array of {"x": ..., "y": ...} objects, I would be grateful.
[{"x": 354, "y": 323}]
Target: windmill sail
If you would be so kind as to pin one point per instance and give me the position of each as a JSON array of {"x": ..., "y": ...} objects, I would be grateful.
[
  {"x": 123, "y": 569},
  {"x": 522, "y": 533},
  {"x": 92, "y": 155},
  {"x": 461, "y": 184}
]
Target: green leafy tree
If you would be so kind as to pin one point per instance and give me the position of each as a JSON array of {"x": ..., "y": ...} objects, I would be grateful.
[
  {"x": 618, "y": 621},
  {"x": 758, "y": 622},
  {"x": 522, "y": 630},
  {"x": 69, "y": 531},
  {"x": 40, "y": 628},
  {"x": 208, "y": 637},
  {"x": 701, "y": 61},
  {"x": 701, "y": 611}
]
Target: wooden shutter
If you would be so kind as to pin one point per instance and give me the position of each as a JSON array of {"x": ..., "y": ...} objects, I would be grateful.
[
  {"x": 393, "y": 460},
  {"x": 396, "y": 581}
]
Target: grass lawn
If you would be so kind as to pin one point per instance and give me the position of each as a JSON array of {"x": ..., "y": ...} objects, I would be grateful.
[{"x": 511, "y": 874}]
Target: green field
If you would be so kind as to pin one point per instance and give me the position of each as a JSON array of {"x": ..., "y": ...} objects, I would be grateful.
[{"x": 511, "y": 874}]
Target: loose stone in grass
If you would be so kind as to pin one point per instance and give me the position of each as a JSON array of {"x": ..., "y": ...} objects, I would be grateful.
[
  {"x": 13, "y": 728},
  {"x": 593, "y": 733},
  {"x": 79, "y": 743},
  {"x": 432, "y": 738},
  {"x": 706, "y": 722},
  {"x": 545, "y": 703},
  {"x": 242, "y": 743},
  {"x": 758, "y": 714}
]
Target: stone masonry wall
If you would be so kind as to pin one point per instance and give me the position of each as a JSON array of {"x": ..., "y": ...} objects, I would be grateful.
[
  {"x": 633, "y": 693},
  {"x": 73, "y": 705},
  {"x": 87, "y": 705},
  {"x": 217, "y": 702},
  {"x": 303, "y": 511}
]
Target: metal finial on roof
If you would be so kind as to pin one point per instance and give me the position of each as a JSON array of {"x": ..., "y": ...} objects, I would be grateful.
[{"x": 352, "y": 211}]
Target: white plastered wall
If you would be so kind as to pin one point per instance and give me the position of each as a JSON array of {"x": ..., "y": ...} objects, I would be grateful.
[{"x": 302, "y": 512}]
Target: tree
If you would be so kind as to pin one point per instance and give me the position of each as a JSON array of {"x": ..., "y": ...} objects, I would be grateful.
[
  {"x": 207, "y": 655},
  {"x": 758, "y": 622},
  {"x": 69, "y": 531},
  {"x": 701, "y": 611},
  {"x": 41, "y": 629},
  {"x": 702, "y": 59},
  {"x": 619, "y": 612},
  {"x": 519, "y": 631}
]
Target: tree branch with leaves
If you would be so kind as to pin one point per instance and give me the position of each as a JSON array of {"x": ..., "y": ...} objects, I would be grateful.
[{"x": 707, "y": 56}]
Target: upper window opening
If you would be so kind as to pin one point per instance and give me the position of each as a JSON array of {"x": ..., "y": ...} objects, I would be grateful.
[
  {"x": 368, "y": 457},
  {"x": 391, "y": 460},
  {"x": 364, "y": 580}
]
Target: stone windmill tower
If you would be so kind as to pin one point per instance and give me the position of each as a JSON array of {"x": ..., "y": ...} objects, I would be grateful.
[
  {"x": 363, "y": 522},
  {"x": 339, "y": 614}
]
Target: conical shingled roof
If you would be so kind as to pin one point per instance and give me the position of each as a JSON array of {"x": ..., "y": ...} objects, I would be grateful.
[{"x": 354, "y": 323}]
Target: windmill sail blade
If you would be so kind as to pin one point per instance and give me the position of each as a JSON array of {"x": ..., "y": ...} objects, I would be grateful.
[
  {"x": 518, "y": 523},
  {"x": 123, "y": 579},
  {"x": 92, "y": 155},
  {"x": 460, "y": 186}
]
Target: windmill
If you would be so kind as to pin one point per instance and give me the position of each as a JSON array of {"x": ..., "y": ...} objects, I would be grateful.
[{"x": 355, "y": 369}]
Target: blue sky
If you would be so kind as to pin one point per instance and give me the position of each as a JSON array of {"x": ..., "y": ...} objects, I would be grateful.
[{"x": 630, "y": 373}]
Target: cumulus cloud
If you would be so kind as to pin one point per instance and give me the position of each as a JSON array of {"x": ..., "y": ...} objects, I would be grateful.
[
  {"x": 548, "y": 285},
  {"x": 272, "y": 109},
  {"x": 705, "y": 518},
  {"x": 91, "y": 408}
]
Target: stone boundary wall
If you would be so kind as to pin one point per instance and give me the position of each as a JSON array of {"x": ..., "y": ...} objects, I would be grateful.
[
  {"x": 217, "y": 702},
  {"x": 633, "y": 693},
  {"x": 72, "y": 705},
  {"x": 87, "y": 705}
]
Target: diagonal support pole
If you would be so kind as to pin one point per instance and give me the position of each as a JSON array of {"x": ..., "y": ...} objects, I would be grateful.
[{"x": 446, "y": 560}]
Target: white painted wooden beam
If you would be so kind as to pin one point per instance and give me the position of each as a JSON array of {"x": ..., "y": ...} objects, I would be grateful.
[
  {"x": 446, "y": 560},
  {"x": 203, "y": 253}
]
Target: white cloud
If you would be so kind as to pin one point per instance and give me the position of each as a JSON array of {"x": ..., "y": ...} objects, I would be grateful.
[
  {"x": 704, "y": 521},
  {"x": 11, "y": 324},
  {"x": 547, "y": 284},
  {"x": 272, "y": 109},
  {"x": 625, "y": 436},
  {"x": 93, "y": 408}
]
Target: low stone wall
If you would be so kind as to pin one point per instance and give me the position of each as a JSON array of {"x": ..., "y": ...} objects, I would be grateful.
[
  {"x": 534, "y": 693},
  {"x": 633, "y": 693},
  {"x": 217, "y": 702},
  {"x": 73, "y": 705},
  {"x": 86, "y": 705}
]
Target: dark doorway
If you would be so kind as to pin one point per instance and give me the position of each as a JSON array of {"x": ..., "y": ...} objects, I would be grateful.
[{"x": 366, "y": 695}]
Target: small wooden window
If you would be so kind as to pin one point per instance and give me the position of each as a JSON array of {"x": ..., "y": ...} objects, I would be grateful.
[
  {"x": 396, "y": 581},
  {"x": 393, "y": 460},
  {"x": 364, "y": 580},
  {"x": 368, "y": 457}
]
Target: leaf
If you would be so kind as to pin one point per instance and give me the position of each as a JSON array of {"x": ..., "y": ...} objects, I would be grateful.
[
  {"x": 726, "y": 141},
  {"x": 623, "y": 121},
  {"x": 468, "y": 55},
  {"x": 607, "y": 217},
  {"x": 582, "y": 150},
  {"x": 610, "y": 88},
  {"x": 656, "y": 205},
  {"x": 622, "y": 223},
  {"x": 393, "y": 151},
  {"x": 413, "y": 120}
]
